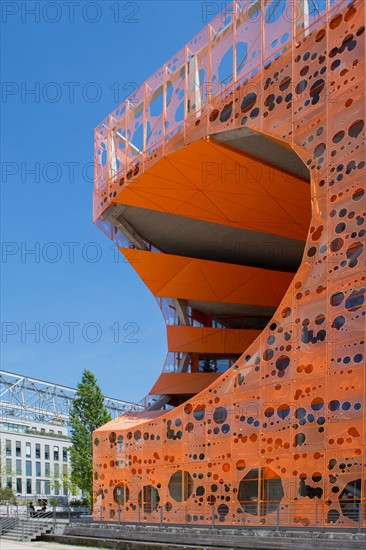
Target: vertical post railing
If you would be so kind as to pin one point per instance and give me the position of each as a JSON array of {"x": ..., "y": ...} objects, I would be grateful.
[
  {"x": 164, "y": 107},
  {"x": 243, "y": 517},
  {"x": 360, "y": 516},
  {"x": 209, "y": 75},
  {"x": 126, "y": 137},
  {"x": 235, "y": 14},
  {"x": 186, "y": 95},
  {"x": 278, "y": 517},
  {"x": 316, "y": 516},
  {"x": 119, "y": 514},
  {"x": 109, "y": 157},
  {"x": 293, "y": 68},
  {"x": 101, "y": 514},
  {"x": 161, "y": 516},
  {"x": 144, "y": 122},
  {"x": 213, "y": 518},
  {"x": 139, "y": 514},
  {"x": 263, "y": 49}
]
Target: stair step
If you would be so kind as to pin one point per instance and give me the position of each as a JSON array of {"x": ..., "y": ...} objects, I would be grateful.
[{"x": 27, "y": 532}]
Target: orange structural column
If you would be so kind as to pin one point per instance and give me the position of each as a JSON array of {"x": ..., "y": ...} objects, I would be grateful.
[{"x": 279, "y": 436}]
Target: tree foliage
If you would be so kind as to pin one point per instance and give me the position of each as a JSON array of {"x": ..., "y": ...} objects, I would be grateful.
[
  {"x": 87, "y": 414},
  {"x": 7, "y": 495}
]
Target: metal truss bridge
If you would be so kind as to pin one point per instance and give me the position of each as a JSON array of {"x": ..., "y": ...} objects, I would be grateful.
[{"x": 30, "y": 399}]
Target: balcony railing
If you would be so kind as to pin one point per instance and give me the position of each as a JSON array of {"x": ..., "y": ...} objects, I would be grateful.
[{"x": 178, "y": 104}]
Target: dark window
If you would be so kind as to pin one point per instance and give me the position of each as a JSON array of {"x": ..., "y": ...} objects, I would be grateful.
[
  {"x": 47, "y": 487},
  {"x": 260, "y": 491},
  {"x": 121, "y": 494},
  {"x": 18, "y": 448},
  {"x": 149, "y": 499},
  {"x": 56, "y": 455},
  {"x": 19, "y": 485},
  {"x": 29, "y": 486},
  {"x": 180, "y": 486},
  {"x": 350, "y": 500},
  {"x": 8, "y": 447}
]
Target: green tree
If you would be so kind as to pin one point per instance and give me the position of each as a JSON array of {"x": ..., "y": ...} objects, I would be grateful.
[
  {"x": 7, "y": 495},
  {"x": 87, "y": 414}
]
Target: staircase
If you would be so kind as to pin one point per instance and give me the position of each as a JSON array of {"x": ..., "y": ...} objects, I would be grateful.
[{"x": 24, "y": 530}]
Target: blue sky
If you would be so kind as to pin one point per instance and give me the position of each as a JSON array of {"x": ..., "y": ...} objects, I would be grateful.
[{"x": 80, "y": 59}]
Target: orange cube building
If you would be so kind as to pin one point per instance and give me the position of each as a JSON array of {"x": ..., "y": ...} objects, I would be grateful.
[{"x": 233, "y": 182}]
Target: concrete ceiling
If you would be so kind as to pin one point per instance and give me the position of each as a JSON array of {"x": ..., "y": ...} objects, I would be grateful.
[
  {"x": 210, "y": 241},
  {"x": 263, "y": 148}
]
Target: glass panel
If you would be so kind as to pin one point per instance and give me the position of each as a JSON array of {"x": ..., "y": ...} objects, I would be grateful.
[
  {"x": 19, "y": 485},
  {"x": 29, "y": 486},
  {"x": 18, "y": 448},
  {"x": 8, "y": 447},
  {"x": 56, "y": 455}
]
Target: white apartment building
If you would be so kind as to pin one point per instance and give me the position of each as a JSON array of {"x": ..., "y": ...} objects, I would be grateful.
[{"x": 35, "y": 459}]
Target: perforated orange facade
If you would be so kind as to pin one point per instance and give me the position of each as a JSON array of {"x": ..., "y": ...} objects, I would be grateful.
[{"x": 233, "y": 182}]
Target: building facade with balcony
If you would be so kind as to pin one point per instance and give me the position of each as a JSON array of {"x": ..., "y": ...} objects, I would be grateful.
[{"x": 232, "y": 180}]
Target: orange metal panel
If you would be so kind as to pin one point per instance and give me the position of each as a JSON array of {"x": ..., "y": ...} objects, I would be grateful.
[
  {"x": 183, "y": 383},
  {"x": 209, "y": 340},
  {"x": 195, "y": 279},
  {"x": 280, "y": 437},
  {"x": 216, "y": 183}
]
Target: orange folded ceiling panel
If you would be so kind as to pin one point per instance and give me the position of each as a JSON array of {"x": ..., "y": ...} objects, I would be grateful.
[
  {"x": 196, "y": 279},
  {"x": 183, "y": 383},
  {"x": 216, "y": 183}
]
